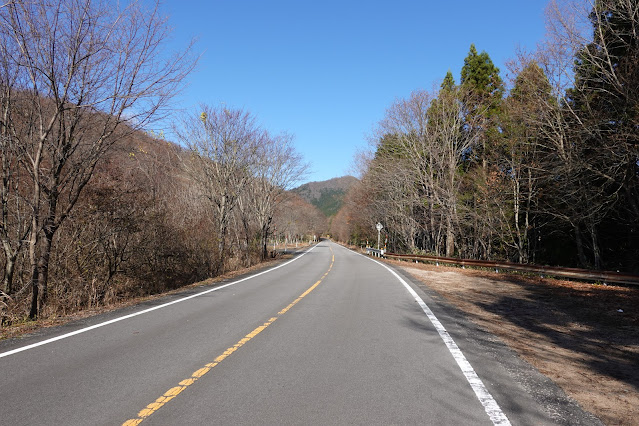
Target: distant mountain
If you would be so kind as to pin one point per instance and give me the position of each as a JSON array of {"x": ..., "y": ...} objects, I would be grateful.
[{"x": 326, "y": 195}]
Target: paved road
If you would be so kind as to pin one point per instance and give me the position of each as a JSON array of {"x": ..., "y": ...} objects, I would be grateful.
[{"x": 331, "y": 337}]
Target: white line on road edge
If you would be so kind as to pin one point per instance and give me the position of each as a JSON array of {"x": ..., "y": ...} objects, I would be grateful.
[
  {"x": 490, "y": 405},
  {"x": 102, "y": 324}
]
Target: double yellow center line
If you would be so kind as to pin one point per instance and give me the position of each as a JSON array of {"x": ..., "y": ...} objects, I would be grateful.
[{"x": 176, "y": 390}]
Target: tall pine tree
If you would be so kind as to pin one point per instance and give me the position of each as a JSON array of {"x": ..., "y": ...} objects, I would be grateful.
[{"x": 483, "y": 91}]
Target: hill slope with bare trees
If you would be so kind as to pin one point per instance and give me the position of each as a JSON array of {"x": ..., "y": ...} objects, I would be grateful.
[
  {"x": 327, "y": 195},
  {"x": 93, "y": 209}
]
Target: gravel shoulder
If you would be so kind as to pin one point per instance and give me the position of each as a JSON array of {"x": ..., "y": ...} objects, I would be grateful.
[{"x": 584, "y": 337}]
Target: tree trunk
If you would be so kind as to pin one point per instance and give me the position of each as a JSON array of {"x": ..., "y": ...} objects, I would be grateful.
[
  {"x": 247, "y": 240},
  {"x": 264, "y": 244},
  {"x": 580, "y": 247},
  {"x": 221, "y": 246},
  {"x": 43, "y": 269},
  {"x": 266, "y": 227},
  {"x": 433, "y": 233},
  {"x": 439, "y": 241},
  {"x": 221, "y": 235},
  {"x": 9, "y": 269},
  {"x": 34, "y": 311},
  {"x": 450, "y": 239},
  {"x": 33, "y": 262},
  {"x": 595, "y": 246}
]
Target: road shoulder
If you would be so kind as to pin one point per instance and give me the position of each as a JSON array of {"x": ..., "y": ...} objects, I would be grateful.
[{"x": 523, "y": 393}]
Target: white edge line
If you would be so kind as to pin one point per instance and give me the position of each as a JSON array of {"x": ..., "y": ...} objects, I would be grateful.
[
  {"x": 491, "y": 407},
  {"x": 102, "y": 324}
]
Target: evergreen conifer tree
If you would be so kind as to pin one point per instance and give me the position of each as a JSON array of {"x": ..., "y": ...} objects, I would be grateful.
[
  {"x": 449, "y": 81},
  {"x": 483, "y": 93}
]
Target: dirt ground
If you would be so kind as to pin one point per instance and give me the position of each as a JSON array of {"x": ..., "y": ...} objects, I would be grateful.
[{"x": 585, "y": 337}]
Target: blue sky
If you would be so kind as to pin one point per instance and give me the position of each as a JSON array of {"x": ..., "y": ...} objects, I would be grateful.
[{"x": 326, "y": 71}]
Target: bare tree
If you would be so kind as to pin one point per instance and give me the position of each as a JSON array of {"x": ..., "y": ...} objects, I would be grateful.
[
  {"x": 594, "y": 45},
  {"x": 223, "y": 147},
  {"x": 520, "y": 154},
  {"x": 277, "y": 168},
  {"x": 14, "y": 224},
  {"x": 83, "y": 69},
  {"x": 399, "y": 177},
  {"x": 293, "y": 215},
  {"x": 425, "y": 147}
]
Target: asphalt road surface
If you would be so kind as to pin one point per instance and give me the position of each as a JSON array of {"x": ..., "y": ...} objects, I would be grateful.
[{"x": 329, "y": 337}]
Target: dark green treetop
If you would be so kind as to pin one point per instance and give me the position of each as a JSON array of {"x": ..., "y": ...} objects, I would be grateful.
[
  {"x": 449, "y": 81},
  {"x": 480, "y": 75},
  {"x": 531, "y": 84}
]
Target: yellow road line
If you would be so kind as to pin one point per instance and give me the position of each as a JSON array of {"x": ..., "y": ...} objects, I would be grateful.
[{"x": 175, "y": 391}]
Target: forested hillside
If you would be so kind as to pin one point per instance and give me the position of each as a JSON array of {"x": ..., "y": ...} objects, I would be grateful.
[
  {"x": 142, "y": 225},
  {"x": 327, "y": 195},
  {"x": 542, "y": 166}
]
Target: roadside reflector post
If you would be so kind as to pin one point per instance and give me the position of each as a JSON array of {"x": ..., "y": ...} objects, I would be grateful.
[{"x": 379, "y": 227}]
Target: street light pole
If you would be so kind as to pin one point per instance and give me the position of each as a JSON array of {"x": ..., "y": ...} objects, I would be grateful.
[{"x": 379, "y": 227}]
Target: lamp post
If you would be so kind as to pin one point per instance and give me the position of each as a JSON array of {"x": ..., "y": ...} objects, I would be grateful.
[{"x": 379, "y": 227}]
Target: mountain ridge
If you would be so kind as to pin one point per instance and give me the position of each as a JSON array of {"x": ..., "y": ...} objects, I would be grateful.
[{"x": 327, "y": 195}]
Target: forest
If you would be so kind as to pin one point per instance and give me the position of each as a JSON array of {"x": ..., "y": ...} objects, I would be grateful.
[
  {"x": 95, "y": 209},
  {"x": 539, "y": 167}
]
